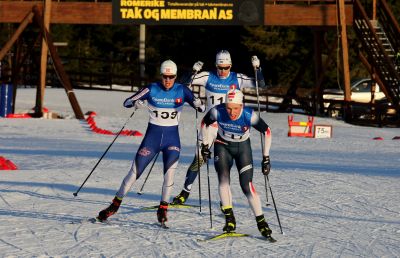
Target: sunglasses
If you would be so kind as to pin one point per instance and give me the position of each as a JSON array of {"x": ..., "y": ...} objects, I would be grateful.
[
  {"x": 171, "y": 77},
  {"x": 223, "y": 68}
]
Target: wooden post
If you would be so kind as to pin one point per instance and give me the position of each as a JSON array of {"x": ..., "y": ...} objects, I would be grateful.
[
  {"x": 15, "y": 36},
  {"x": 318, "y": 66},
  {"x": 374, "y": 10},
  {"x": 43, "y": 61},
  {"x": 15, "y": 71},
  {"x": 345, "y": 57},
  {"x": 58, "y": 65}
]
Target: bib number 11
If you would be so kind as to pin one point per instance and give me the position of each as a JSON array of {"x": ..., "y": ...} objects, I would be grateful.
[{"x": 220, "y": 99}]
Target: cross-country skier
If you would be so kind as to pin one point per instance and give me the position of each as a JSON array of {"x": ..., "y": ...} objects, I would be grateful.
[
  {"x": 216, "y": 84},
  {"x": 233, "y": 144},
  {"x": 165, "y": 101}
]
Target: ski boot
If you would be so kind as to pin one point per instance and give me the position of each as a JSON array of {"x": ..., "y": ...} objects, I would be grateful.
[
  {"x": 162, "y": 212},
  {"x": 220, "y": 207},
  {"x": 110, "y": 210},
  {"x": 230, "y": 222},
  {"x": 180, "y": 198},
  {"x": 263, "y": 226}
]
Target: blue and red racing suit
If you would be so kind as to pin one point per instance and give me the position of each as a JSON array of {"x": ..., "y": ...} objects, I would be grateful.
[
  {"x": 162, "y": 134},
  {"x": 233, "y": 144},
  {"x": 216, "y": 88}
]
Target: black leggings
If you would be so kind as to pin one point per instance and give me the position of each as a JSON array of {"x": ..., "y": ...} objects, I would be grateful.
[{"x": 240, "y": 152}]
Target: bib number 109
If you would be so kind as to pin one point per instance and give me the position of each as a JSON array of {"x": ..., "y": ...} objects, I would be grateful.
[{"x": 165, "y": 114}]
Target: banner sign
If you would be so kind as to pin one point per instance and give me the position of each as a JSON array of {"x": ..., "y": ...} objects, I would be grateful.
[{"x": 188, "y": 12}]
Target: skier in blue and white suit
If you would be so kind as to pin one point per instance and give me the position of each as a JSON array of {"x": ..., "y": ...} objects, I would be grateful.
[
  {"x": 233, "y": 145},
  {"x": 165, "y": 102},
  {"x": 216, "y": 84}
]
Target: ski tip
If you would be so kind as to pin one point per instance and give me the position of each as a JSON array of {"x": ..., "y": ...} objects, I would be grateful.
[
  {"x": 97, "y": 220},
  {"x": 270, "y": 239},
  {"x": 223, "y": 235},
  {"x": 163, "y": 225},
  {"x": 94, "y": 220}
]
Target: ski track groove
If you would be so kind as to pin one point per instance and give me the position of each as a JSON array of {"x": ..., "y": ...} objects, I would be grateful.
[
  {"x": 341, "y": 249},
  {"x": 4, "y": 200},
  {"x": 228, "y": 248},
  {"x": 76, "y": 231},
  {"x": 310, "y": 250},
  {"x": 31, "y": 231},
  {"x": 370, "y": 247},
  {"x": 14, "y": 246},
  {"x": 119, "y": 253},
  {"x": 80, "y": 242},
  {"x": 40, "y": 241}
]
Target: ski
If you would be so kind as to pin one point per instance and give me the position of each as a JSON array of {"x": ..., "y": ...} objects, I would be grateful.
[
  {"x": 270, "y": 239},
  {"x": 95, "y": 220},
  {"x": 223, "y": 235},
  {"x": 170, "y": 205},
  {"x": 163, "y": 225},
  {"x": 234, "y": 234}
]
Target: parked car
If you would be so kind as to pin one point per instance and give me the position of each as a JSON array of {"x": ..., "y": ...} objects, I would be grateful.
[{"x": 360, "y": 92}]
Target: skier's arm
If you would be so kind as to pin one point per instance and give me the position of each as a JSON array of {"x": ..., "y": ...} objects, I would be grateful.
[
  {"x": 198, "y": 79},
  {"x": 208, "y": 119},
  {"x": 249, "y": 82},
  {"x": 259, "y": 124},
  {"x": 142, "y": 94},
  {"x": 194, "y": 102}
]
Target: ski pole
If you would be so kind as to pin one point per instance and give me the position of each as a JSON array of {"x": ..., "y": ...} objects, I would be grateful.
[
  {"x": 197, "y": 68},
  {"x": 259, "y": 116},
  {"x": 145, "y": 180},
  {"x": 102, "y": 156},
  {"x": 273, "y": 201},
  {"x": 209, "y": 193},
  {"x": 198, "y": 159},
  {"x": 266, "y": 179}
]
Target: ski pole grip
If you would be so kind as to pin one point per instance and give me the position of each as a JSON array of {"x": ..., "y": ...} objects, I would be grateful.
[
  {"x": 198, "y": 66},
  {"x": 255, "y": 62}
]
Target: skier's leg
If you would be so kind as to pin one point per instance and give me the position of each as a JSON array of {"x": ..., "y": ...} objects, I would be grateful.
[
  {"x": 223, "y": 162},
  {"x": 171, "y": 159},
  {"x": 145, "y": 154},
  {"x": 171, "y": 148},
  {"x": 244, "y": 163},
  {"x": 143, "y": 157},
  {"x": 193, "y": 169}
]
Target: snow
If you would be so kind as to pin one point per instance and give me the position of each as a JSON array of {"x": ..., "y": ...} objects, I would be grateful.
[{"x": 336, "y": 197}]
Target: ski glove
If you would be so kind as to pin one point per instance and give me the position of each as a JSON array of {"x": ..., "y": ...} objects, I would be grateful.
[
  {"x": 197, "y": 66},
  {"x": 255, "y": 62},
  {"x": 139, "y": 104},
  {"x": 201, "y": 109},
  {"x": 133, "y": 103},
  {"x": 205, "y": 152},
  {"x": 266, "y": 165}
]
